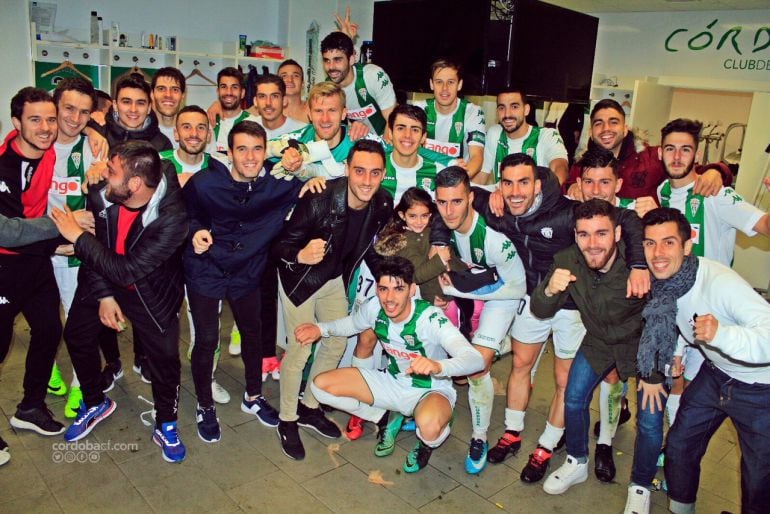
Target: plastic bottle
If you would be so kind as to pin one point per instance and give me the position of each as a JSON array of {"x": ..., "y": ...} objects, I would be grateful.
[
  {"x": 115, "y": 33},
  {"x": 94, "y": 28}
]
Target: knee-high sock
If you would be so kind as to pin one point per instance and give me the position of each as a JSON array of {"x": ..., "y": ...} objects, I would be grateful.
[
  {"x": 440, "y": 439},
  {"x": 609, "y": 411},
  {"x": 348, "y": 404},
  {"x": 672, "y": 407},
  {"x": 481, "y": 395}
]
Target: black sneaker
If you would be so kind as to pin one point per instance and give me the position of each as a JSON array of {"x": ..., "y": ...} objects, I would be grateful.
[
  {"x": 5, "y": 455},
  {"x": 38, "y": 420},
  {"x": 291, "y": 444},
  {"x": 208, "y": 424},
  {"x": 604, "y": 465},
  {"x": 535, "y": 469},
  {"x": 417, "y": 458},
  {"x": 315, "y": 419},
  {"x": 508, "y": 444},
  {"x": 111, "y": 372}
]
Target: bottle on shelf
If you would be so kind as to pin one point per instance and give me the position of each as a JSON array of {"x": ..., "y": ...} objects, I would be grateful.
[{"x": 95, "y": 33}]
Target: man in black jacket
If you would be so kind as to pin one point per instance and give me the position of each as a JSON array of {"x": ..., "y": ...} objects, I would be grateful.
[
  {"x": 322, "y": 244},
  {"x": 132, "y": 266}
]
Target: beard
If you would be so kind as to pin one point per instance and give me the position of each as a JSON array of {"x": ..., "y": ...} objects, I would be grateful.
[{"x": 118, "y": 196}]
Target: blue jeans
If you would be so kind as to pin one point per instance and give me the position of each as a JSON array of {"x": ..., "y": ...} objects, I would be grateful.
[
  {"x": 709, "y": 399},
  {"x": 649, "y": 436}
]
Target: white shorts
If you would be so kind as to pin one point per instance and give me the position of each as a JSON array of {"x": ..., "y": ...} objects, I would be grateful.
[
  {"x": 390, "y": 393},
  {"x": 67, "y": 282},
  {"x": 692, "y": 360},
  {"x": 494, "y": 323},
  {"x": 566, "y": 325}
]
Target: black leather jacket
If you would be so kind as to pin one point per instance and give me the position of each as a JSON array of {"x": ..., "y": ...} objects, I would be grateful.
[
  {"x": 153, "y": 260},
  {"x": 324, "y": 216}
]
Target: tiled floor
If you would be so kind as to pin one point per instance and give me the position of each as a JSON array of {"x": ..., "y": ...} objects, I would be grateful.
[{"x": 246, "y": 471}]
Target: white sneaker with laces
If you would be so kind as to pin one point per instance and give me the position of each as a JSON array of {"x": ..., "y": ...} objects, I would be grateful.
[
  {"x": 638, "y": 500},
  {"x": 570, "y": 473},
  {"x": 219, "y": 393}
]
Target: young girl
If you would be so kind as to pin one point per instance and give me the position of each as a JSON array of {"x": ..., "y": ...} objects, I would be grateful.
[{"x": 408, "y": 235}]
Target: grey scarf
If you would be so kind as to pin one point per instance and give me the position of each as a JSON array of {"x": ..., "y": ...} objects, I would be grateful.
[{"x": 659, "y": 335}]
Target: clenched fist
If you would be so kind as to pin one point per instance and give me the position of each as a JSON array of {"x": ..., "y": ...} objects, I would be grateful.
[{"x": 559, "y": 281}]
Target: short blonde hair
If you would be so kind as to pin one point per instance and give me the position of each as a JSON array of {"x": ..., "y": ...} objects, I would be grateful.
[{"x": 325, "y": 89}]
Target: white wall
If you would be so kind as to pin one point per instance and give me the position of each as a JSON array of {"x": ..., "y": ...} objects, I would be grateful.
[
  {"x": 15, "y": 65},
  {"x": 635, "y": 44}
]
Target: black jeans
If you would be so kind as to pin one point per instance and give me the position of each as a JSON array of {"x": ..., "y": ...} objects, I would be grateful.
[
  {"x": 28, "y": 286},
  {"x": 81, "y": 335},
  {"x": 269, "y": 309},
  {"x": 205, "y": 314}
]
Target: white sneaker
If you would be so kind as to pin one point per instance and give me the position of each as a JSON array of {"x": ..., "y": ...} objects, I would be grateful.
[
  {"x": 219, "y": 393},
  {"x": 638, "y": 501},
  {"x": 570, "y": 473}
]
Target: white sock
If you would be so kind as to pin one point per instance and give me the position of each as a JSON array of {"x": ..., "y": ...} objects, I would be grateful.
[
  {"x": 440, "y": 439},
  {"x": 550, "y": 436},
  {"x": 481, "y": 395},
  {"x": 348, "y": 404},
  {"x": 672, "y": 407},
  {"x": 75, "y": 382},
  {"x": 609, "y": 411},
  {"x": 514, "y": 419},
  {"x": 363, "y": 363}
]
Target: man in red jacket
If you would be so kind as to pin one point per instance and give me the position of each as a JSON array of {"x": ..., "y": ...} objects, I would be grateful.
[
  {"x": 639, "y": 166},
  {"x": 27, "y": 283}
]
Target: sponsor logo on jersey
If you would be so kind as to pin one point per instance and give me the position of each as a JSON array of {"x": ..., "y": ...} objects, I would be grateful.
[
  {"x": 547, "y": 232},
  {"x": 362, "y": 113},
  {"x": 450, "y": 149},
  {"x": 67, "y": 186},
  {"x": 398, "y": 353},
  {"x": 695, "y": 232},
  {"x": 4, "y": 187}
]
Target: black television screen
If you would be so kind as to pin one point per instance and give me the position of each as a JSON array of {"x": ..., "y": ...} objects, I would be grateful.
[
  {"x": 545, "y": 49},
  {"x": 409, "y": 35}
]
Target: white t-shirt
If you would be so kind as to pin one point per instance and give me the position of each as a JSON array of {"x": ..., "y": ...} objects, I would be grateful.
[
  {"x": 549, "y": 147},
  {"x": 474, "y": 128},
  {"x": 724, "y": 213},
  {"x": 290, "y": 125},
  {"x": 219, "y": 138},
  {"x": 63, "y": 186},
  {"x": 169, "y": 133},
  {"x": 378, "y": 85}
]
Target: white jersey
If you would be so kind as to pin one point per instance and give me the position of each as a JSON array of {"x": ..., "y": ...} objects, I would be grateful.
[
  {"x": 290, "y": 125},
  {"x": 549, "y": 147},
  {"x": 722, "y": 215},
  {"x": 484, "y": 246},
  {"x": 427, "y": 332},
  {"x": 741, "y": 347},
  {"x": 63, "y": 187},
  {"x": 474, "y": 128},
  {"x": 378, "y": 87},
  {"x": 408, "y": 177},
  {"x": 223, "y": 128},
  {"x": 169, "y": 133}
]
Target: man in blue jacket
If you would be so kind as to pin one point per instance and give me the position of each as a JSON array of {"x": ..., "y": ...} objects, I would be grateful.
[{"x": 234, "y": 215}]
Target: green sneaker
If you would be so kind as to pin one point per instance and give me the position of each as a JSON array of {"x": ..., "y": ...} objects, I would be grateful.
[
  {"x": 387, "y": 432},
  {"x": 417, "y": 458},
  {"x": 235, "y": 342},
  {"x": 73, "y": 402},
  {"x": 55, "y": 384}
]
